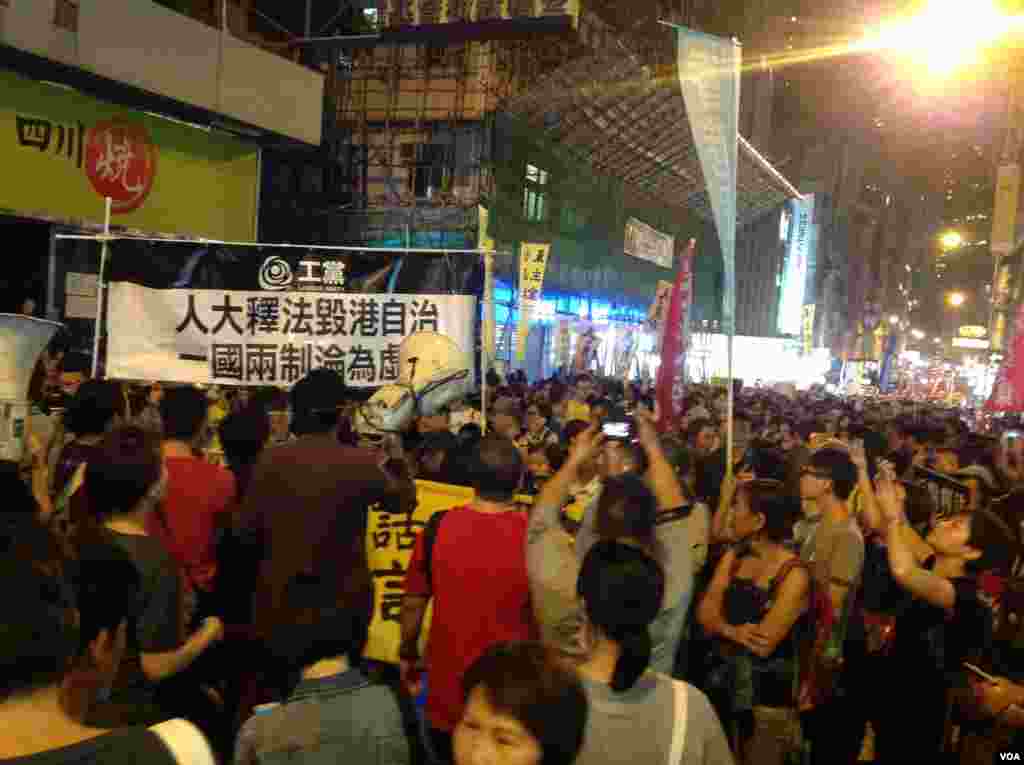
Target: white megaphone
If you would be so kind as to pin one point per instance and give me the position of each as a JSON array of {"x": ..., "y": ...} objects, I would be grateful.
[
  {"x": 22, "y": 341},
  {"x": 433, "y": 372},
  {"x": 436, "y": 369}
]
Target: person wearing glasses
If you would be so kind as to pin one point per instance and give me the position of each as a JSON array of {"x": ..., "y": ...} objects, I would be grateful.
[{"x": 834, "y": 549}]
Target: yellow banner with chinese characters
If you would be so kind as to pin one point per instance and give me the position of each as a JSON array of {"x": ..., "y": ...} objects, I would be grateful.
[
  {"x": 1004, "y": 217},
  {"x": 808, "y": 328},
  {"x": 533, "y": 261},
  {"x": 390, "y": 538},
  {"x": 63, "y": 153}
]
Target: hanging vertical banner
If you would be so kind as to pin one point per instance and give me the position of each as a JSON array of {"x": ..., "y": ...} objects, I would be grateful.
[
  {"x": 1004, "y": 218},
  {"x": 808, "y": 328},
  {"x": 533, "y": 260},
  {"x": 562, "y": 345},
  {"x": 626, "y": 342},
  {"x": 709, "y": 74},
  {"x": 658, "y": 311},
  {"x": 1008, "y": 392},
  {"x": 797, "y": 272},
  {"x": 670, "y": 387},
  {"x": 888, "y": 362},
  {"x": 486, "y": 243}
]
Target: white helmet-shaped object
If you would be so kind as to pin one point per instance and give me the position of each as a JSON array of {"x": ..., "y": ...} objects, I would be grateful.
[
  {"x": 389, "y": 410},
  {"x": 436, "y": 369}
]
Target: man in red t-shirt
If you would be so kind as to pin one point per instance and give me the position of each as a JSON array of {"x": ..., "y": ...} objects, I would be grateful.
[
  {"x": 477, "y": 578},
  {"x": 199, "y": 495}
]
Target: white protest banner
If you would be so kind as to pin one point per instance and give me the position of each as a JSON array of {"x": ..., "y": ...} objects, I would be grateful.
[{"x": 236, "y": 337}]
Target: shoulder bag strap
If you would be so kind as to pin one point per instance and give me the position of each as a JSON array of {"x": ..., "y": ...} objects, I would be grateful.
[
  {"x": 185, "y": 743},
  {"x": 680, "y": 692}
]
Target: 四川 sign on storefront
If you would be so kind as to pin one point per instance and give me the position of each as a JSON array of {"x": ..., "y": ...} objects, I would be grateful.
[{"x": 69, "y": 152}]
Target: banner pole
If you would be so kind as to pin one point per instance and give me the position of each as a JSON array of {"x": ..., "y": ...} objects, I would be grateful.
[
  {"x": 729, "y": 414},
  {"x": 488, "y": 339},
  {"x": 104, "y": 250}
]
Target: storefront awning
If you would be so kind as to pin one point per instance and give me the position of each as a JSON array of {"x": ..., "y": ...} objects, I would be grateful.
[{"x": 618, "y": 116}]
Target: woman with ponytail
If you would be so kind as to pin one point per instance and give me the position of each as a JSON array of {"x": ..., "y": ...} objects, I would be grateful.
[{"x": 636, "y": 715}]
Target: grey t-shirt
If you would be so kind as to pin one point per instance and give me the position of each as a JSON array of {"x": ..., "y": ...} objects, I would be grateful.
[
  {"x": 637, "y": 726},
  {"x": 553, "y": 560}
]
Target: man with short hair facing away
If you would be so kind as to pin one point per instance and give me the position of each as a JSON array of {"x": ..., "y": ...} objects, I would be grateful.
[
  {"x": 333, "y": 713},
  {"x": 476, "y": 575},
  {"x": 308, "y": 501},
  {"x": 200, "y": 495},
  {"x": 834, "y": 548}
]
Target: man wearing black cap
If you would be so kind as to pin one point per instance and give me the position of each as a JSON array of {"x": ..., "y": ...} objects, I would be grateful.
[{"x": 307, "y": 503}]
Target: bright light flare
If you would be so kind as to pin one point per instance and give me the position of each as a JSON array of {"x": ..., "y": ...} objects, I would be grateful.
[
  {"x": 951, "y": 240},
  {"x": 894, "y": 319},
  {"x": 946, "y": 36},
  {"x": 957, "y": 299},
  {"x": 918, "y": 334}
]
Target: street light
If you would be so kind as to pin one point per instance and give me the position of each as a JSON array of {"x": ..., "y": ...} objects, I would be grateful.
[
  {"x": 951, "y": 240},
  {"x": 894, "y": 319},
  {"x": 945, "y": 36},
  {"x": 956, "y": 299},
  {"x": 918, "y": 334}
]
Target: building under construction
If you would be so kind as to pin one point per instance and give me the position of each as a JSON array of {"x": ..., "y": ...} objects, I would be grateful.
[{"x": 564, "y": 118}]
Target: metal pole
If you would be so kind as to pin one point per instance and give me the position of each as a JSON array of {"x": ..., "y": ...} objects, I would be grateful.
[
  {"x": 100, "y": 288},
  {"x": 728, "y": 414},
  {"x": 309, "y": 18},
  {"x": 488, "y": 338}
]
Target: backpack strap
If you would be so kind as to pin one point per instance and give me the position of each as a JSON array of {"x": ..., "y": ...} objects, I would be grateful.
[
  {"x": 430, "y": 533},
  {"x": 185, "y": 743},
  {"x": 680, "y": 692}
]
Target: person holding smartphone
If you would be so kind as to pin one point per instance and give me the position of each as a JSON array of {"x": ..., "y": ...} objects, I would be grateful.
[{"x": 946, "y": 623}]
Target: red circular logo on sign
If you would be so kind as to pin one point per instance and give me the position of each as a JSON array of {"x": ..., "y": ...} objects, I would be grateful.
[{"x": 120, "y": 160}]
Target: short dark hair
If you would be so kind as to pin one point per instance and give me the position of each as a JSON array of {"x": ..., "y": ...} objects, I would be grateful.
[
  {"x": 623, "y": 589},
  {"x": 556, "y": 455},
  {"x": 542, "y": 407},
  {"x": 316, "y": 402},
  {"x": 183, "y": 411},
  {"x": 94, "y": 407},
  {"x": 244, "y": 434},
  {"x": 627, "y": 508},
  {"x": 839, "y": 468},
  {"x": 497, "y": 469},
  {"x": 39, "y": 635},
  {"x": 317, "y": 621},
  {"x": 525, "y": 681},
  {"x": 694, "y": 428},
  {"x": 125, "y": 466},
  {"x": 13, "y": 486},
  {"x": 780, "y": 509},
  {"x": 996, "y": 541}
]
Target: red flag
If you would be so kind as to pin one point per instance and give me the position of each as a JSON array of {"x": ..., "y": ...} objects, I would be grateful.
[
  {"x": 670, "y": 387},
  {"x": 1008, "y": 392}
]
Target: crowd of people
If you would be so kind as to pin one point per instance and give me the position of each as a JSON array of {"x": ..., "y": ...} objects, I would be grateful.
[{"x": 848, "y": 578}]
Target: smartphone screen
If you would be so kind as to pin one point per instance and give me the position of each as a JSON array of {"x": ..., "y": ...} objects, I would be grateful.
[{"x": 616, "y": 429}]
